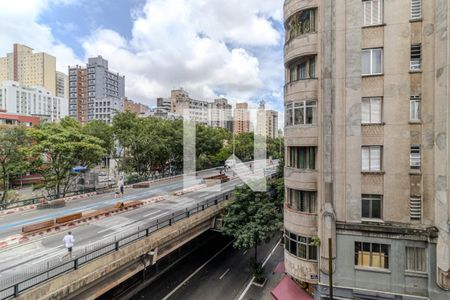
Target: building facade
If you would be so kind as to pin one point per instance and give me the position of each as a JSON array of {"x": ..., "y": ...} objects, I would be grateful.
[
  {"x": 163, "y": 104},
  {"x": 266, "y": 122},
  {"x": 31, "y": 101},
  {"x": 92, "y": 90},
  {"x": 241, "y": 118},
  {"x": 367, "y": 115},
  {"x": 191, "y": 109},
  {"x": 28, "y": 68},
  {"x": 62, "y": 85},
  {"x": 220, "y": 114},
  {"x": 135, "y": 107}
]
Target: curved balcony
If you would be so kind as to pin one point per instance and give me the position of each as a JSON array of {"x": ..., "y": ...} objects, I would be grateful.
[
  {"x": 293, "y": 6},
  {"x": 303, "y": 270},
  {"x": 301, "y": 135},
  {"x": 302, "y": 45},
  {"x": 300, "y": 179},
  {"x": 301, "y": 223},
  {"x": 302, "y": 89}
]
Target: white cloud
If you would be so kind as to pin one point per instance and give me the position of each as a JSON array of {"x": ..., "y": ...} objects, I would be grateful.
[
  {"x": 208, "y": 47},
  {"x": 18, "y": 23}
]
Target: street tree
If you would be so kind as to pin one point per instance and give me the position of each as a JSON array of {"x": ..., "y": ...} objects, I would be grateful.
[
  {"x": 251, "y": 219},
  {"x": 13, "y": 155},
  {"x": 59, "y": 148}
]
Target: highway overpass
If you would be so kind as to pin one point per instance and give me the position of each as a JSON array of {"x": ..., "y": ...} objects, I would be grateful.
[{"x": 109, "y": 250}]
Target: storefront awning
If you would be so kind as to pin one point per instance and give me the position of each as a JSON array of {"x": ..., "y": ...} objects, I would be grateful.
[{"x": 289, "y": 290}]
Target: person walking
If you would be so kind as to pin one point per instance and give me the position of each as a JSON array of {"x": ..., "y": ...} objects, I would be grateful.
[
  {"x": 121, "y": 186},
  {"x": 69, "y": 241}
]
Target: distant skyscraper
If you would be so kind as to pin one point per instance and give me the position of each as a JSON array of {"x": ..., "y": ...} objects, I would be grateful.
[
  {"x": 220, "y": 114},
  {"x": 62, "y": 85},
  {"x": 28, "y": 68},
  {"x": 241, "y": 118},
  {"x": 95, "y": 93},
  {"x": 266, "y": 122}
]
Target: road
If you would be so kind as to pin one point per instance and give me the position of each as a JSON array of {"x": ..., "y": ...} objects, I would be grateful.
[
  {"x": 217, "y": 271},
  {"x": 19, "y": 262}
]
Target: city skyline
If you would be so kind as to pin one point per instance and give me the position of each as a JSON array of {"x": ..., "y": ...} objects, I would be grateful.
[{"x": 215, "y": 60}]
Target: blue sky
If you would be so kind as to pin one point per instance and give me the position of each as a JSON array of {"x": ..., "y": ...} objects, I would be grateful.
[{"x": 211, "y": 48}]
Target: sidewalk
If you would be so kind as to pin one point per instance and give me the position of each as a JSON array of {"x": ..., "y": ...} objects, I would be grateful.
[{"x": 263, "y": 293}]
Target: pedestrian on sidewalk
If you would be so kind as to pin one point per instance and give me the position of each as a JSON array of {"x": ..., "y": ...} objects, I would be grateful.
[
  {"x": 69, "y": 241},
  {"x": 121, "y": 186}
]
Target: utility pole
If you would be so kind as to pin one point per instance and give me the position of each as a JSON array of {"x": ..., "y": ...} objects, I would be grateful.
[{"x": 330, "y": 266}]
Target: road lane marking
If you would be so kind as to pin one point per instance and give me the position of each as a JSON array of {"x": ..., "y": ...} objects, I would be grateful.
[
  {"x": 152, "y": 213},
  {"x": 196, "y": 271},
  {"x": 225, "y": 273},
  {"x": 253, "y": 278},
  {"x": 244, "y": 252}
]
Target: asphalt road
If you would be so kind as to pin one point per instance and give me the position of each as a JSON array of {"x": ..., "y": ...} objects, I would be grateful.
[
  {"x": 21, "y": 261},
  {"x": 213, "y": 272}
]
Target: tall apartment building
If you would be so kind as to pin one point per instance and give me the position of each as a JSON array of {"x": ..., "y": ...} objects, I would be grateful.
[
  {"x": 220, "y": 114},
  {"x": 135, "y": 107},
  {"x": 192, "y": 109},
  {"x": 163, "y": 104},
  {"x": 241, "y": 118},
  {"x": 28, "y": 68},
  {"x": 266, "y": 122},
  {"x": 31, "y": 101},
  {"x": 62, "y": 85},
  {"x": 95, "y": 93},
  {"x": 367, "y": 150}
]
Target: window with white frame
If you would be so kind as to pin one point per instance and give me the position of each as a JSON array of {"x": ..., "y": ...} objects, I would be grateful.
[
  {"x": 300, "y": 246},
  {"x": 414, "y": 115},
  {"x": 414, "y": 157},
  {"x": 372, "y": 61},
  {"x": 415, "y": 208},
  {"x": 416, "y": 9},
  {"x": 416, "y": 259},
  {"x": 416, "y": 53},
  {"x": 371, "y": 158},
  {"x": 301, "y": 113},
  {"x": 372, "y": 12},
  {"x": 371, "y": 110},
  {"x": 371, "y": 206}
]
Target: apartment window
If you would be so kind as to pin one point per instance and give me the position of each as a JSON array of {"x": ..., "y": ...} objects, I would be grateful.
[
  {"x": 301, "y": 113},
  {"x": 371, "y": 158},
  {"x": 371, "y": 255},
  {"x": 301, "y": 23},
  {"x": 416, "y": 259},
  {"x": 416, "y": 53},
  {"x": 302, "y": 157},
  {"x": 371, "y": 110},
  {"x": 372, "y": 61},
  {"x": 414, "y": 115},
  {"x": 300, "y": 246},
  {"x": 292, "y": 73},
  {"x": 415, "y": 208},
  {"x": 414, "y": 157},
  {"x": 312, "y": 67},
  {"x": 372, "y": 12},
  {"x": 371, "y": 206},
  {"x": 304, "y": 201},
  {"x": 416, "y": 9},
  {"x": 301, "y": 71}
]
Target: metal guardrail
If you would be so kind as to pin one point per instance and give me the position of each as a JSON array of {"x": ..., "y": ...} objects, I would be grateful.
[
  {"x": 73, "y": 264},
  {"x": 13, "y": 290}
]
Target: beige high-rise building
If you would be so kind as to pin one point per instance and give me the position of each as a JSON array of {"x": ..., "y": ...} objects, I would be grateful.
[
  {"x": 367, "y": 109},
  {"x": 241, "y": 118},
  {"x": 28, "y": 68},
  {"x": 62, "y": 85},
  {"x": 266, "y": 122}
]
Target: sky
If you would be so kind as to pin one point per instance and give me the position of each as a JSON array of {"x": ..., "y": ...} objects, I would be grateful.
[{"x": 210, "y": 48}]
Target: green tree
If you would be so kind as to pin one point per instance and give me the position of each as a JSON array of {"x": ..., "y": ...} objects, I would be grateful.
[
  {"x": 103, "y": 132},
  {"x": 251, "y": 219},
  {"x": 59, "y": 148},
  {"x": 13, "y": 155}
]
